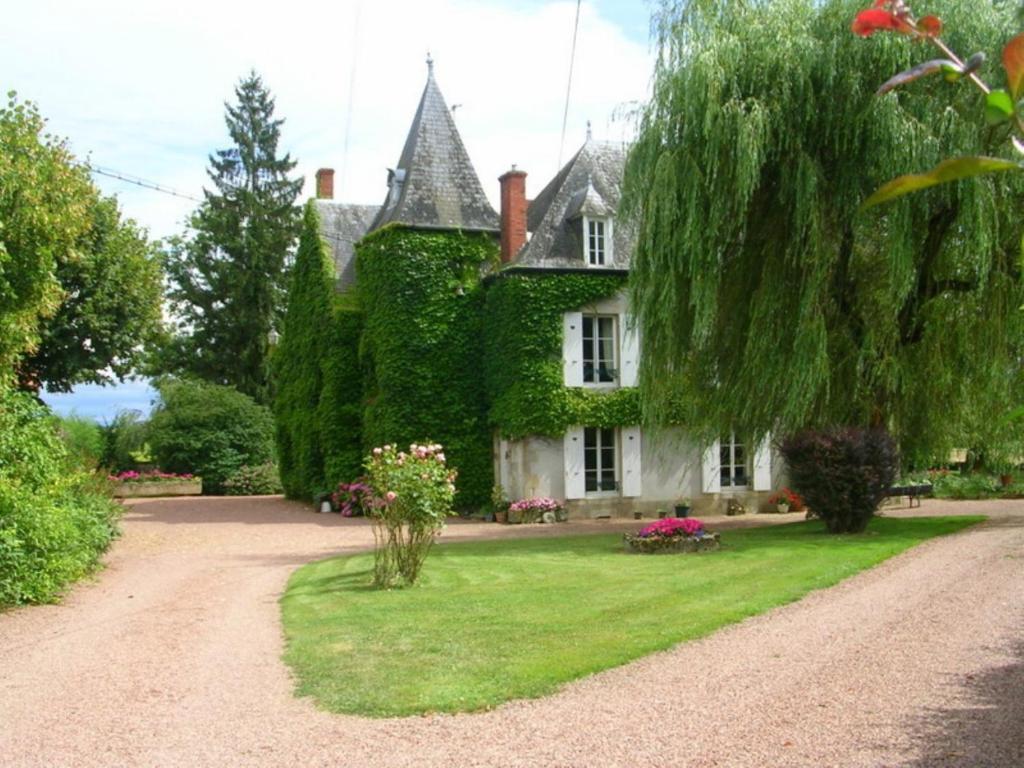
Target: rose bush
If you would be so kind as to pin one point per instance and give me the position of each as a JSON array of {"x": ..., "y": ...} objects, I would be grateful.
[{"x": 412, "y": 494}]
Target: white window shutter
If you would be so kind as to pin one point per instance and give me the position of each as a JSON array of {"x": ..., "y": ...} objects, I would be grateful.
[
  {"x": 763, "y": 465},
  {"x": 711, "y": 468},
  {"x": 631, "y": 470},
  {"x": 629, "y": 361},
  {"x": 575, "y": 477},
  {"x": 572, "y": 351}
]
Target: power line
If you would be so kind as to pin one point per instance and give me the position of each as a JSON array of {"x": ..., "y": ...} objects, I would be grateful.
[
  {"x": 568, "y": 85},
  {"x": 140, "y": 182}
]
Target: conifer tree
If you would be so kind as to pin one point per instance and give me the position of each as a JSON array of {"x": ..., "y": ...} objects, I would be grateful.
[
  {"x": 228, "y": 277},
  {"x": 766, "y": 299},
  {"x": 297, "y": 363}
]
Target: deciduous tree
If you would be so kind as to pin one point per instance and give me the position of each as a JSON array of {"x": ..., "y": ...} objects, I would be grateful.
[{"x": 764, "y": 295}]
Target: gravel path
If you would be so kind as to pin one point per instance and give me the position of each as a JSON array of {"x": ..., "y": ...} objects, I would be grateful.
[{"x": 172, "y": 658}]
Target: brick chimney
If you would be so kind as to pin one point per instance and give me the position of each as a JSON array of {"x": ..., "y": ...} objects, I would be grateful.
[
  {"x": 513, "y": 213},
  {"x": 325, "y": 184}
]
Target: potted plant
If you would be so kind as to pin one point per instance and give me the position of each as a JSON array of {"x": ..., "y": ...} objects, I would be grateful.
[
  {"x": 683, "y": 507},
  {"x": 786, "y": 500},
  {"x": 499, "y": 504}
]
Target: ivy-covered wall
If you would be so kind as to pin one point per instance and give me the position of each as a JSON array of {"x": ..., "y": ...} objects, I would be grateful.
[
  {"x": 422, "y": 346},
  {"x": 523, "y": 332},
  {"x": 340, "y": 412},
  {"x": 297, "y": 363}
]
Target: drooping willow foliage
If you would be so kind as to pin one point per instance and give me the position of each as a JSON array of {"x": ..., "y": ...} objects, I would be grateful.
[{"x": 766, "y": 300}]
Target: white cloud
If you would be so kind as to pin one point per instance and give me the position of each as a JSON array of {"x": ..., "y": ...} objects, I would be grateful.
[{"x": 140, "y": 85}]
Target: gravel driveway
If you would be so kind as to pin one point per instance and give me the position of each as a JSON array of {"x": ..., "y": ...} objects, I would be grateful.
[{"x": 172, "y": 657}]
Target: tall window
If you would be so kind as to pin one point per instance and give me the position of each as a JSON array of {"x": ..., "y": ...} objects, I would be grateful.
[
  {"x": 733, "y": 462},
  {"x": 599, "y": 460},
  {"x": 599, "y": 365},
  {"x": 595, "y": 242}
]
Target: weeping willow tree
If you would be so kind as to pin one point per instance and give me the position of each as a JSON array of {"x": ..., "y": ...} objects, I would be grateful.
[{"x": 767, "y": 301}]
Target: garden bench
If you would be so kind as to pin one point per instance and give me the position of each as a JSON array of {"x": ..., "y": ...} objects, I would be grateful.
[{"x": 912, "y": 492}]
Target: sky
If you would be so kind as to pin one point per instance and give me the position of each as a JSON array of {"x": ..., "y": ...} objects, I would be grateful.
[{"x": 139, "y": 88}]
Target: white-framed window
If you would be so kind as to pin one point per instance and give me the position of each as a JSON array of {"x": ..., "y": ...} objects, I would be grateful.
[
  {"x": 600, "y": 460},
  {"x": 597, "y": 241},
  {"x": 733, "y": 465},
  {"x": 600, "y": 344}
]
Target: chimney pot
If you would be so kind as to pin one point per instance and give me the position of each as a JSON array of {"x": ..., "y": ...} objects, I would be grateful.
[
  {"x": 325, "y": 184},
  {"x": 513, "y": 213}
]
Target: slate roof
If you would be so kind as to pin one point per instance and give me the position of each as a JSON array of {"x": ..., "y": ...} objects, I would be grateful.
[
  {"x": 342, "y": 226},
  {"x": 589, "y": 184},
  {"x": 435, "y": 185}
]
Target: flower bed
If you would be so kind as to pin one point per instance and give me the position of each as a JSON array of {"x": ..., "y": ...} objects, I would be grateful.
[
  {"x": 673, "y": 534},
  {"x": 133, "y": 484},
  {"x": 540, "y": 510}
]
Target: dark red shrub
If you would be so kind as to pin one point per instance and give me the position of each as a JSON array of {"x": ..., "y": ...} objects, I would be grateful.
[{"x": 843, "y": 473}]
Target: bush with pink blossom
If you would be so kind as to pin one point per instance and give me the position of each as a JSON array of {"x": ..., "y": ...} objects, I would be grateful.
[
  {"x": 151, "y": 476},
  {"x": 412, "y": 494}
]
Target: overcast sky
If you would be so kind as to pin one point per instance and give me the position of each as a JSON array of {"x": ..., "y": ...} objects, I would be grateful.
[{"x": 139, "y": 87}]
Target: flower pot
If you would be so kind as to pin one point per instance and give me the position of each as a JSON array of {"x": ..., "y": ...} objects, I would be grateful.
[
  {"x": 1006, "y": 480},
  {"x": 501, "y": 516},
  {"x": 638, "y": 516},
  {"x": 682, "y": 510},
  {"x": 782, "y": 508}
]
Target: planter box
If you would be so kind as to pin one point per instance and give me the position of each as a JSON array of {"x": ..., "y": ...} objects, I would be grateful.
[
  {"x": 170, "y": 488},
  {"x": 660, "y": 545}
]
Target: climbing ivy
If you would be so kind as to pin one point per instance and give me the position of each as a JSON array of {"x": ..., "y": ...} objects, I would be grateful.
[
  {"x": 523, "y": 331},
  {"x": 297, "y": 363},
  {"x": 422, "y": 347},
  {"x": 340, "y": 412}
]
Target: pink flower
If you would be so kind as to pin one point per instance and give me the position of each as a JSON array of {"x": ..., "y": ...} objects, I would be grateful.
[
  {"x": 377, "y": 451},
  {"x": 390, "y": 496}
]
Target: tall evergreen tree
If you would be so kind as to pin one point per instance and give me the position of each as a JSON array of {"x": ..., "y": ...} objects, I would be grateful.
[
  {"x": 765, "y": 298},
  {"x": 228, "y": 278}
]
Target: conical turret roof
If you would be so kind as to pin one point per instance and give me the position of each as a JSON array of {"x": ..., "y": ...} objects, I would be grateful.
[{"x": 435, "y": 185}]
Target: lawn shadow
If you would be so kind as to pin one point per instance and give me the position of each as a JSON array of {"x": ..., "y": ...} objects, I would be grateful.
[
  {"x": 352, "y": 581},
  {"x": 985, "y": 732}
]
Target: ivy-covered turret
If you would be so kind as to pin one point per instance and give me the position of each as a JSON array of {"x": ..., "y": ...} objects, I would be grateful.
[{"x": 418, "y": 276}]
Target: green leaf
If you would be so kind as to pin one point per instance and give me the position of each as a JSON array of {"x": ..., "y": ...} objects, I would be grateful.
[
  {"x": 921, "y": 70},
  {"x": 1013, "y": 63},
  {"x": 948, "y": 170},
  {"x": 998, "y": 107}
]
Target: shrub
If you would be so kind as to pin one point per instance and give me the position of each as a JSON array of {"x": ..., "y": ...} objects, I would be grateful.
[
  {"x": 672, "y": 534},
  {"x": 413, "y": 494},
  {"x": 153, "y": 476},
  {"x": 261, "y": 480},
  {"x": 55, "y": 519},
  {"x": 843, "y": 473},
  {"x": 83, "y": 439},
  {"x": 124, "y": 439},
  {"x": 354, "y": 499},
  {"x": 209, "y": 430}
]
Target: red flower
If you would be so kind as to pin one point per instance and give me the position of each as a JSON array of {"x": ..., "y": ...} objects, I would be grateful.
[{"x": 870, "y": 21}]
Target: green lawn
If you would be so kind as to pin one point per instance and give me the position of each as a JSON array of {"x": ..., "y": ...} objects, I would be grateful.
[{"x": 493, "y": 621}]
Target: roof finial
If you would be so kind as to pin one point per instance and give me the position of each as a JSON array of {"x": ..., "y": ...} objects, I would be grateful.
[
  {"x": 590, "y": 134},
  {"x": 430, "y": 64}
]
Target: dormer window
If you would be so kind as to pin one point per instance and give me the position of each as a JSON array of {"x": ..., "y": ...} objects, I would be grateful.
[{"x": 597, "y": 241}]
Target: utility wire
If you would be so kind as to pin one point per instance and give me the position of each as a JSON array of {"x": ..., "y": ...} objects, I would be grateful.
[
  {"x": 568, "y": 86},
  {"x": 140, "y": 182}
]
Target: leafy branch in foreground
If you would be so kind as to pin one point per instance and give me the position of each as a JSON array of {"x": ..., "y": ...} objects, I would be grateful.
[{"x": 1001, "y": 106}]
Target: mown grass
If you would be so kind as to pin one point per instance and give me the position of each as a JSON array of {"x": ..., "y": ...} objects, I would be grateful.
[{"x": 493, "y": 621}]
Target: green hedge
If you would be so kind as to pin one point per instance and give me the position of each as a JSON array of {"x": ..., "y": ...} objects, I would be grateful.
[
  {"x": 422, "y": 346},
  {"x": 523, "y": 330},
  {"x": 55, "y": 519}
]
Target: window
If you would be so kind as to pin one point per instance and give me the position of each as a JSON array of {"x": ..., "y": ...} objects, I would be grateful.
[
  {"x": 595, "y": 242},
  {"x": 733, "y": 462},
  {"x": 599, "y": 460},
  {"x": 599, "y": 349}
]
